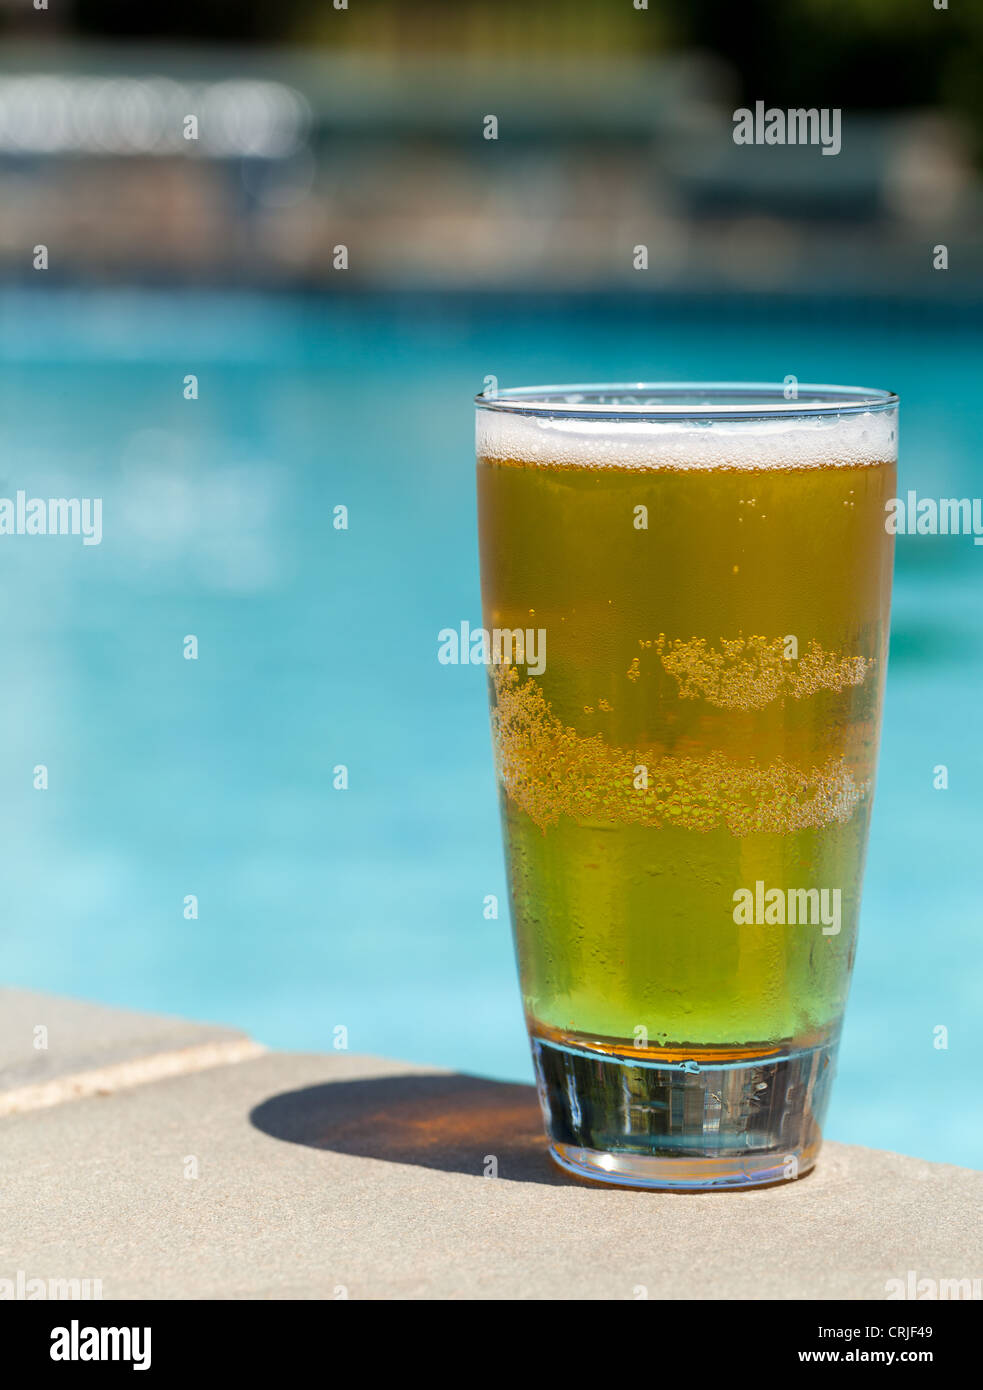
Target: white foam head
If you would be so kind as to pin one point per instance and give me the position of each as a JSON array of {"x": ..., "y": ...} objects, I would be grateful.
[{"x": 809, "y": 441}]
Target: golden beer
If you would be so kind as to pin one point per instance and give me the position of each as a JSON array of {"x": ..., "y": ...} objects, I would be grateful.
[{"x": 686, "y": 783}]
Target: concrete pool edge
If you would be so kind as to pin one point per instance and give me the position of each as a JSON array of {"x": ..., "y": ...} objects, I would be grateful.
[{"x": 341, "y": 1175}]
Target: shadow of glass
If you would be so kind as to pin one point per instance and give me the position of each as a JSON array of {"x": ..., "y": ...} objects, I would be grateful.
[{"x": 453, "y": 1123}]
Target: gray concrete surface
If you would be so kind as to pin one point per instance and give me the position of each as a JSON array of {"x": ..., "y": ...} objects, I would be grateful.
[{"x": 333, "y": 1176}]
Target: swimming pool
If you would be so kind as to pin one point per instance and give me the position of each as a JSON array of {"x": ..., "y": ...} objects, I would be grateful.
[{"x": 213, "y": 777}]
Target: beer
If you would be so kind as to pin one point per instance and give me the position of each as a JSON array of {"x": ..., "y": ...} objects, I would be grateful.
[{"x": 692, "y": 769}]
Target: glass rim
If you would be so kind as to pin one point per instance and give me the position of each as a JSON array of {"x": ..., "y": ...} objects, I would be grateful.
[{"x": 685, "y": 400}]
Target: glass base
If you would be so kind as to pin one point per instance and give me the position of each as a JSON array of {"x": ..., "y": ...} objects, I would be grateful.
[{"x": 636, "y": 1122}]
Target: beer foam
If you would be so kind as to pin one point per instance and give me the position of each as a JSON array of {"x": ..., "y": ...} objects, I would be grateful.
[
  {"x": 817, "y": 441},
  {"x": 549, "y": 770}
]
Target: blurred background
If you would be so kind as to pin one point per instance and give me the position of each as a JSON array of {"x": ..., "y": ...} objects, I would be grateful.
[
  {"x": 341, "y": 258},
  {"x": 363, "y": 126}
]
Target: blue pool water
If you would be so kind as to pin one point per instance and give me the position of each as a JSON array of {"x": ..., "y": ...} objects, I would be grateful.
[{"x": 213, "y": 777}]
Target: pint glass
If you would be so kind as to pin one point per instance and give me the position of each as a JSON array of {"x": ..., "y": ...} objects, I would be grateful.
[{"x": 685, "y": 594}]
